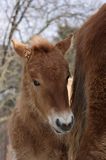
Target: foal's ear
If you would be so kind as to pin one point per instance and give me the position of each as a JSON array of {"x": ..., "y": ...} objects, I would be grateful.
[
  {"x": 64, "y": 45},
  {"x": 22, "y": 49}
]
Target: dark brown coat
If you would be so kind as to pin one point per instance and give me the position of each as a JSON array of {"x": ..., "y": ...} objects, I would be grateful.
[{"x": 88, "y": 140}]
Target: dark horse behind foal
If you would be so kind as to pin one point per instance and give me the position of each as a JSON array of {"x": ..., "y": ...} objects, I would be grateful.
[{"x": 88, "y": 140}]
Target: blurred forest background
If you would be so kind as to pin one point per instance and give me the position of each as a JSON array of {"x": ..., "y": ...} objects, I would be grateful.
[{"x": 22, "y": 19}]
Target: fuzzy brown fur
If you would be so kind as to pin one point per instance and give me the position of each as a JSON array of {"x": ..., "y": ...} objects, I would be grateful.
[
  {"x": 88, "y": 139},
  {"x": 31, "y": 136}
]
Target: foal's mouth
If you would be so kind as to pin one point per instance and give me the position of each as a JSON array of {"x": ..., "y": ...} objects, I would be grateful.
[
  {"x": 57, "y": 131},
  {"x": 60, "y": 131}
]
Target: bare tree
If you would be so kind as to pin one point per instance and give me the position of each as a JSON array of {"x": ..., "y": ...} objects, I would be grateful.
[
  {"x": 31, "y": 17},
  {"x": 14, "y": 20},
  {"x": 22, "y": 19}
]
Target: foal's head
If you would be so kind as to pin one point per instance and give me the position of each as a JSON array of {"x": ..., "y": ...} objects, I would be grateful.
[{"x": 45, "y": 80}]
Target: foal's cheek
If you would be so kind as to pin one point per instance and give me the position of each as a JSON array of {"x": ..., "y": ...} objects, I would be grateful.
[{"x": 41, "y": 99}]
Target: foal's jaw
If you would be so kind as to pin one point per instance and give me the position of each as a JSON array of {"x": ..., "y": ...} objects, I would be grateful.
[{"x": 61, "y": 123}]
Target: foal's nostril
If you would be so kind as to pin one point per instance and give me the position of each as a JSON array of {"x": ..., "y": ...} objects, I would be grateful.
[
  {"x": 58, "y": 123},
  {"x": 72, "y": 121},
  {"x": 66, "y": 127}
]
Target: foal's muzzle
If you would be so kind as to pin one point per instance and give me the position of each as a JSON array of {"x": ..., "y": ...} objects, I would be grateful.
[
  {"x": 62, "y": 123},
  {"x": 64, "y": 126}
]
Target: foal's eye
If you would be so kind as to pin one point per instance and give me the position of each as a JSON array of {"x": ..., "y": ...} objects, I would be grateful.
[{"x": 36, "y": 83}]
